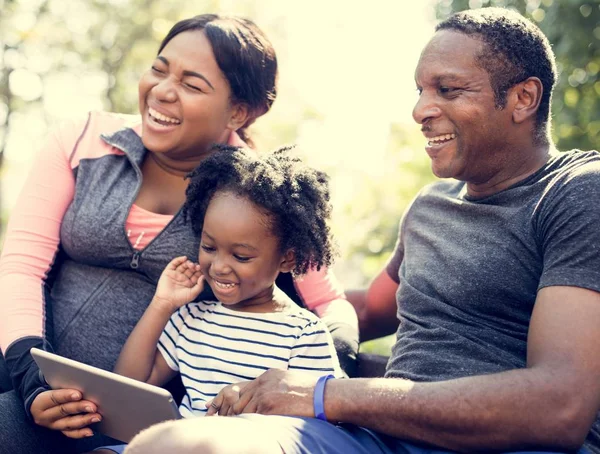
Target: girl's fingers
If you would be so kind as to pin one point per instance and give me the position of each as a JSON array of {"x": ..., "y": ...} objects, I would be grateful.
[{"x": 177, "y": 261}]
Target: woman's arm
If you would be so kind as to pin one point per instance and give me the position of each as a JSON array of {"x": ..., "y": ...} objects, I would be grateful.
[
  {"x": 323, "y": 294},
  {"x": 30, "y": 245},
  {"x": 376, "y": 307}
]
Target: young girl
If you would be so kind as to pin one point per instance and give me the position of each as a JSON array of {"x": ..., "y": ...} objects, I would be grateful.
[{"x": 257, "y": 216}]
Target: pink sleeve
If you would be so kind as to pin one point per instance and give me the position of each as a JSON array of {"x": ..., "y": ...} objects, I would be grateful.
[
  {"x": 319, "y": 288},
  {"x": 324, "y": 295},
  {"x": 32, "y": 237}
]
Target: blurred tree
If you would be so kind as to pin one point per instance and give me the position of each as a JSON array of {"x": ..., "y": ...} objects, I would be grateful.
[{"x": 573, "y": 28}]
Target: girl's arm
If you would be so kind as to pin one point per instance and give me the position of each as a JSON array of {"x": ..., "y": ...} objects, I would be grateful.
[
  {"x": 140, "y": 358},
  {"x": 180, "y": 283}
]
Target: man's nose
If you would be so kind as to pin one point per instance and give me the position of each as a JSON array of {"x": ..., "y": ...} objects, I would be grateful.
[{"x": 426, "y": 108}]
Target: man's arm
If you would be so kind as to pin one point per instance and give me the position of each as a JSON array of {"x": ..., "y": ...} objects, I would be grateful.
[
  {"x": 376, "y": 307},
  {"x": 549, "y": 404}
]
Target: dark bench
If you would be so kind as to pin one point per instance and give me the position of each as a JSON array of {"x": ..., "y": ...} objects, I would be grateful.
[{"x": 371, "y": 365}]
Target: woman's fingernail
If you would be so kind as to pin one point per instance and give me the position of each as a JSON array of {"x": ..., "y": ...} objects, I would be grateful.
[
  {"x": 95, "y": 419},
  {"x": 89, "y": 409},
  {"x": 75, "y": 396}
]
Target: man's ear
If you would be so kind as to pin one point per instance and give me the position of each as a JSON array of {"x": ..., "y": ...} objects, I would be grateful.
[
  {"x": 288, "y": 261},
  {"x": 240, "y": 113},
  {"x": 526, "y": 97}
]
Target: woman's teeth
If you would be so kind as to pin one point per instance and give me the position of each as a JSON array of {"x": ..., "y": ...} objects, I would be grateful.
[{"x": 158, "y": 116}]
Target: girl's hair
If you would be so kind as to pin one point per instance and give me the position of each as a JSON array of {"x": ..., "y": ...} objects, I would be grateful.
[
  {"x": 294, "y": 196},
  {"x": 244, "y": 55}
]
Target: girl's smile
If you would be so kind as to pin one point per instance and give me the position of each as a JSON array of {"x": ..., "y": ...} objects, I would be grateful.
[{"x": 239, "y": 254}]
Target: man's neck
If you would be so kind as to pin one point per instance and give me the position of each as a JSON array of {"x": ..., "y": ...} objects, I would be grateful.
[{"x": 512, "y": 171}]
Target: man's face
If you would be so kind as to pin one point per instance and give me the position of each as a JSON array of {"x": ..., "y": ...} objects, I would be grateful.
[{"x": 466, "y": 133}]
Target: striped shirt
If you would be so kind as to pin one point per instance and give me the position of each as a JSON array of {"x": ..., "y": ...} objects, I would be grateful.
[{"x": 213, "y": 346}]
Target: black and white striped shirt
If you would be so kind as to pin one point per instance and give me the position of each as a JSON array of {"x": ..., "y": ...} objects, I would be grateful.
[{"x": 213, "y": 346}]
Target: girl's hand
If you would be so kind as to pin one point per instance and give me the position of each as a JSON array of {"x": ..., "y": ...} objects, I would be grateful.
[
  {"x": 179, "y": 283},
  {"x": 65, "y": 410},
  {"x": 223, "y": 402}
]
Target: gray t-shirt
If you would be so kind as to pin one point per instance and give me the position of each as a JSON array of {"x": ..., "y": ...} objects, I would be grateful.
[{"x": 469, "y": 270}]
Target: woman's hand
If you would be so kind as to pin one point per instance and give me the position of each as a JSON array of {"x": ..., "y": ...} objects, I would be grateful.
[
  {"x": 179, "y": 283},
  {"x": 223, "y": 402},
  {"x": 65, "y": 410}
]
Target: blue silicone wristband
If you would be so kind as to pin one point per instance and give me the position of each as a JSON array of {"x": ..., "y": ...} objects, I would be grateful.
[{"x": 319, "y": 397}]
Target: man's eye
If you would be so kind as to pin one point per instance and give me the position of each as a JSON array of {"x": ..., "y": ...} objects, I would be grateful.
[
  {"x": 447, "y": 90},
  {"x": 419, "y": 90},
  {"x": 156, "y": 70}
]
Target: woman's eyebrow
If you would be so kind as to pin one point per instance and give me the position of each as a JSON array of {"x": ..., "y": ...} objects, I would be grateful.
[{"x": 187, "y": 73}]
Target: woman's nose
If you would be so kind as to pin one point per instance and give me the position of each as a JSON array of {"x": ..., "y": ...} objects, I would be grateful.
[{"x": 165, "y": 90}]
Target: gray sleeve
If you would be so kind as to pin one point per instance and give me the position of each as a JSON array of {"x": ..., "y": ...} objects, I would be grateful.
[
  {"x": 393, "y": 265},
  {"x": 568, "y": 229}
]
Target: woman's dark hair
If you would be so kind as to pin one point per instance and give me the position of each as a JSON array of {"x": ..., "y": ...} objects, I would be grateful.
[
  {"x": 245, "y": 56},
  {"x": 294, "y": 197},
  {"x": 514, "y": 49}
]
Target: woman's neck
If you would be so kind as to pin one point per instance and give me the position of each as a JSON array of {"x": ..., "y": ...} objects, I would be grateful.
[{"x": 173, "y": 167}]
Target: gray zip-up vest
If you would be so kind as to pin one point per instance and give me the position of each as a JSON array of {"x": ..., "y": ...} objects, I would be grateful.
[{"x": 100, "y": 286}]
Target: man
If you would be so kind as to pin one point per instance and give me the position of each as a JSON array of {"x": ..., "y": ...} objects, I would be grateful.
[{"x": 498, "y": 279}]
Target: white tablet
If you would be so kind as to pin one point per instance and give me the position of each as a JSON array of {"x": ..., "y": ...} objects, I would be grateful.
[{"x": 127, "y": 406}]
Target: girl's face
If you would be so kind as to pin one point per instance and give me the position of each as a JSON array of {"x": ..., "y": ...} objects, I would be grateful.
[
  {"x": 185, "y": 100},
  {"x": 239, "y": 254}
]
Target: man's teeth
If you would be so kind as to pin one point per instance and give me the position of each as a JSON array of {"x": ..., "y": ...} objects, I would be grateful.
[
  {"x": 222, "y": 285},
  {"x": 153, "y": 113},
  {"x": 442, "y": 138}
]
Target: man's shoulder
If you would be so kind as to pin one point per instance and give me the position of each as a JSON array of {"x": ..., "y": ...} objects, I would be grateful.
[
  {"x": 572, "y": 159},
  {"x": 576, "y": 166}
]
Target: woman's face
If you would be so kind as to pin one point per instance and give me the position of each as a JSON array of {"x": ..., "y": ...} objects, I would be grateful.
[{"x": 185, "y": 100}]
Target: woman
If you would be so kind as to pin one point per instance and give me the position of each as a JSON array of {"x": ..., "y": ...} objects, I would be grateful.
[{"x": 99, "y": 219}]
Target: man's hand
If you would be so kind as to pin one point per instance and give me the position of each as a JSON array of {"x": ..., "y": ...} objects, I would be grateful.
[
  {"x": 65, "y": 410},
  {"x": 223, "y": 402},
  {"x": 277, "y": 392},
  {"x": 179, "y": 283}
]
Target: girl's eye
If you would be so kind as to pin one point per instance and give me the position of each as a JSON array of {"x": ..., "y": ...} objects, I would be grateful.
[
  {"x": 207, "y": 248},
  {"x": 240, "y": 258}
]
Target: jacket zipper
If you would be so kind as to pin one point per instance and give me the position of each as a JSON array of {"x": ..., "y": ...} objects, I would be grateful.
[{"x": 135, "y": 260}]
